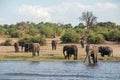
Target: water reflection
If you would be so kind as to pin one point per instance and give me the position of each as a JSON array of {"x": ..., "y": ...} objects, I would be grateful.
[{"x": 59, "y": 70}]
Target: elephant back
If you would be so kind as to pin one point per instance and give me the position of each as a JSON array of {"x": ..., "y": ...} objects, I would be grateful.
[
  {"x": 65, "y": 48},
  {"x": 105, "y": 49},
  {"x": 70, "y": 49},
  {"x": 74, "y": 47},
  {"x": 35, "y": 46}
]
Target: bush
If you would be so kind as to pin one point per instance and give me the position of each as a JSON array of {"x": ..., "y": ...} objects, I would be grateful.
[
  {"x": 2, "y": 31},
  {"x": 34, "y": 39},
  {"x": 8, "y": 42},
  {"x": 70, "y": 36},
  {"x": 95, "y": 39},
  {"x": 113, "y": 35},
  {"x": 50, "y": 30},
  {"x": 13, "y": 32}
]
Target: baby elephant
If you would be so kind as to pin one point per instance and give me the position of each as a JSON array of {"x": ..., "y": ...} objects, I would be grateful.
[{"x": 35, "y": 48}]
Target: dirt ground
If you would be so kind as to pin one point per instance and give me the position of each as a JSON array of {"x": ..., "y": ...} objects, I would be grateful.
[{"x": 47, "y": 48}]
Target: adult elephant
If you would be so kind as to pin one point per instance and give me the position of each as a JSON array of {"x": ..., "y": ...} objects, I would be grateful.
[
  {"x": 70, "y": 50},
  {"x": 16, "y": 46},
  {"x": 54, "y": 44},
  {"x": 26, "y": 47},
  {"x": 35, "y": 48},
  {"x": 105, "y": 50},
  {"x": 91, "y": 52}
]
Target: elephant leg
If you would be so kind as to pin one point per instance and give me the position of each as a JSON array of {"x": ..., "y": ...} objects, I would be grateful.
[
  {"x": 109, "y": 54},
  {"x": 65, "y": 57},
  {"x": 89, "y": 59},
  {"x": 96, "y": 59},
  {"x": 64, "y": 54},
  {"x": 55, "y": 47},
  {"x": 102, "y": 54},
  {"x": 75, "y": 56},
  {"x": 33, "y": 54},
  {"x": 37, "y": 53},
  {"x": 68, "y": 56},
  {"x": 93, "y": 58}
]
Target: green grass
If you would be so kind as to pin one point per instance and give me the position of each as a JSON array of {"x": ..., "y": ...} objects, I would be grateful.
[{"x": 50, "y": 56}]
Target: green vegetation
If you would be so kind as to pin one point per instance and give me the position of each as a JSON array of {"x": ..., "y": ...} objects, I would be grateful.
[
  {"x": 35, "y": 39},
  {"x": 33, "y": 32},
  {"x": 7, "y": 42},
  {"x": 28, "y": 32},
  {"x": 70, "y": 36}
]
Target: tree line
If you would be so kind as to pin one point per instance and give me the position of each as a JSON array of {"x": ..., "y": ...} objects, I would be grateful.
[{"x": 38, "y": 32}]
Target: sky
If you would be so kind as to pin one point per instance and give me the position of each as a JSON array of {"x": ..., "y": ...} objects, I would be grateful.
[{"x": 58, "y": 11}]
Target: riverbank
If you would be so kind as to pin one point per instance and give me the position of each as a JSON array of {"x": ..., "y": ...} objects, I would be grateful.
[
  {"x": 55, "y": 57},
  {"x": 47, "y": 54}
]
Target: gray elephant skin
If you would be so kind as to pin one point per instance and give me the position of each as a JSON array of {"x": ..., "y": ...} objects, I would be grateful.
[
  {"x": 54, "y": 44},
  {"x": 35, "y": 48},
  {"x": 105, "y": 50},
  {"x": 70, "y": 50},
  {"x": 16, "y": 46},
  {"x": 91, "y": 52}
]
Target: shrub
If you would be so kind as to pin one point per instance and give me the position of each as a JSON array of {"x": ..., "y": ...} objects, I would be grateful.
[
  {"x": 95, "y": 38},
  {"x": 113, "y": 35},
  {"x": 13, "y": 32},
  {"x": 8, "y": 42},
  {"x": 2, "y": 31},
  {"x": 70, "y": 36},
  {"x": 34, "y": 39}
]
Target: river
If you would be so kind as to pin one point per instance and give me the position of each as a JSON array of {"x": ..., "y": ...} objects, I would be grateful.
[{"x": 27, "y": 70}]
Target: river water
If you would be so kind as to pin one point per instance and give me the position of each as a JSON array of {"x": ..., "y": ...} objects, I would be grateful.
[{"x": 26, "y": 70}]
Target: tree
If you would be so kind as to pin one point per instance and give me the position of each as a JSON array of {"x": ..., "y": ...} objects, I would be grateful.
[
  {"x": 89, "y": 19},
  {"x": 80, "y": 25},
  {"x": 107, "y": 24}
]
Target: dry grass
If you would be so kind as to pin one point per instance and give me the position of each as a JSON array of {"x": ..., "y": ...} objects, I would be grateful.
[{"x": 47, "y": 54}]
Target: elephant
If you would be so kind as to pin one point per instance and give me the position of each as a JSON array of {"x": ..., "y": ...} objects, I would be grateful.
[
  {"x": 54, "y": 44},
  {"x": 91, "y": 52},
  {"x": 70, "y": 50},
  {"x": 35, "y": 48},
  {"x": 27, "y": 47},
  {"x": 82, "y": 43},
  {"x": 16, "y": 46},
  {"x": 105, "y": 50}
]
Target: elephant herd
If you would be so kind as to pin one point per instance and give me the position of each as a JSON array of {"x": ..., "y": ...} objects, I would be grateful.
[
  {"x": 28, "y": 47},
  {"x": 68, "y": 50}
]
